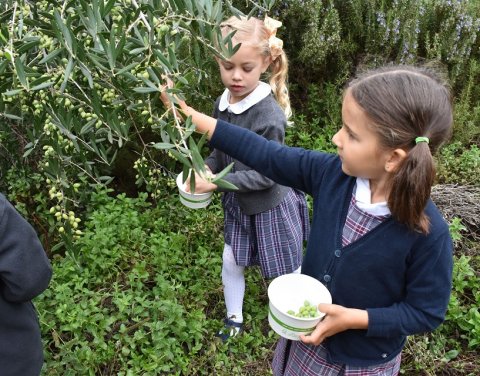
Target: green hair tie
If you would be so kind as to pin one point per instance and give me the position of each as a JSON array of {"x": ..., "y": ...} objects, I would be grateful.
[{"x": 422, "y": 139}]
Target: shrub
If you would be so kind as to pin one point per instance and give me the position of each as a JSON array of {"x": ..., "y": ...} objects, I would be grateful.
[
  {"x": 459, "y": 164},
  {"x": 80, "y": 82},
  {"x": 314, "y": 127},
  {"x": 333, "y": 38}
]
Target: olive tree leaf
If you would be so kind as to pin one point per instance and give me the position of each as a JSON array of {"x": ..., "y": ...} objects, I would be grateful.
[
  {"x": 172, "y": 58},
  {"x": 10, "y": 93},
  {"x": 11, "y": 116},
  {"x": 86, "y": 73},
  {"x": 181, "y": 158},
  {"x": 218, "y": 180},
  {"x": 224, "y": 172},
  {"x": 21, "y": 73},
  {"x": 145, "y": 90},
  {"x": 197, "y": 160},
  {"x": 106, "y": 8},
  {"x": 163, "y": 60},
  {"x": 43, "y": 85},
  {"x": 225, "y": 184},
  {"x": 64, "y": 34},
  {"x": 68, "y": 72},
  {"x": 25, "y": 47},
  {"x": 201, "y": 142},
  {"x": 50, "y": 56},
  {"x": 163, "y": 145}
]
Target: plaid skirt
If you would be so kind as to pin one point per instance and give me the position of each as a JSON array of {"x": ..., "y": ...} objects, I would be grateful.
[
  {"x": 273, "y": 239},
  {"x": 294, "y": 358}
]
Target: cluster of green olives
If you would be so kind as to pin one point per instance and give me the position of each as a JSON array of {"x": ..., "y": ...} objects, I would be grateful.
[{"x": 308, "y": 310}]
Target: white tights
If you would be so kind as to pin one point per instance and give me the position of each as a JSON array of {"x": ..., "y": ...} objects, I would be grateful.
[
  {"x": 233, "y": 285},
  {"x": 233, "y": 280}
]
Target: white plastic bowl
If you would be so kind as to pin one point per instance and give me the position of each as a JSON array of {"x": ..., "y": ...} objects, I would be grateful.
[
  {"x": 192, "y": 200},
  {"x": 288, "y": 293}
]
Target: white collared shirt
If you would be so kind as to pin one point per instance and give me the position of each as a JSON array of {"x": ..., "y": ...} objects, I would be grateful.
[
  {"x": 260, "y": 92},
  {"x": 363, "y": 196}
]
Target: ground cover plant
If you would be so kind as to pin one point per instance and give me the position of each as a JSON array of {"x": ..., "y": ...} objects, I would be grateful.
[
  {"x": 88, "y": 155},
  {"x": 140, "y": 297}
]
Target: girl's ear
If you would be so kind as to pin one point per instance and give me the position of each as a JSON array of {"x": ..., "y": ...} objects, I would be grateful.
[
  {"x": 395, "y": 159},
  {"x": 266, "y": 63}
]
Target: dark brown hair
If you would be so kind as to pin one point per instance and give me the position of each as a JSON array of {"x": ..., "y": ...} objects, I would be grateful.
[{"x": 403, "y": 103}]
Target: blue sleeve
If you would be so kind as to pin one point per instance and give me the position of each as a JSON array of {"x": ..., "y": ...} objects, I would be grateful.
[
  {"x": 25, "y": 270},
  {"x": 289, "y": 166},
  {"x": 427, "y": 294}
]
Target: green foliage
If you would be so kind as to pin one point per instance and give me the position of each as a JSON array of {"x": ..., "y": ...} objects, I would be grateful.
[
  {"x": 467, "y": 108},
  {"x": 80, "y": 80},
  {"x": 116, "y": 305},
  {"x": 456, "y": 227},
  {"x": 315, "y": 127},
  {"x": 463, "y": 313},
  {"x": 25, "y": 189},
  {"x": 442, "y": 350},
  {"x": 322, "y": 35},
  {"x": 459, "y": 164},
  {"x": 142, "y": 296},
  {"x": 426, "y": 354},
  {"x": 334, "y": 38}
]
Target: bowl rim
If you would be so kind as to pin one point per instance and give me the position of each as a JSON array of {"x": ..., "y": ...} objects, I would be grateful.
[{"x": 296, "y": 275}]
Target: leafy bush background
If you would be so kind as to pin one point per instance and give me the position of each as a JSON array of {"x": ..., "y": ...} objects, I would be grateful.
[{"x": 88, "y": 155}]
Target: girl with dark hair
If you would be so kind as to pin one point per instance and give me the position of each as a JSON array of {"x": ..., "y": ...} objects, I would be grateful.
[{"x": 378, "y": 242}]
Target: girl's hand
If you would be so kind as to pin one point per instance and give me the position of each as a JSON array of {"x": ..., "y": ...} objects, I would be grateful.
[
  {"x": 202, "y": 185},
  {"x": 337, "y": 319},
  {"x": 165, "y": 99},
  {"x": 203, "y": 123}
]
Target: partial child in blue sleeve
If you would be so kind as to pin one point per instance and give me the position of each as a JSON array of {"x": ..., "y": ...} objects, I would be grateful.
[
  {"x": 378, "y": 242},
  {"x": 25, "y": 272}
]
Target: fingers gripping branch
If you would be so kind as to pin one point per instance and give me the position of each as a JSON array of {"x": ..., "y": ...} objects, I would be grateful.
[
  {"x": 167, "y": 101},
  {"x": 203, "y": 123}
]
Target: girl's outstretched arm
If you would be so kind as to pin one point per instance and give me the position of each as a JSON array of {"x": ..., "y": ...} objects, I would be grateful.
[
  {"x": 285, "y": 165},
  {"x": 203, "y": 123}
]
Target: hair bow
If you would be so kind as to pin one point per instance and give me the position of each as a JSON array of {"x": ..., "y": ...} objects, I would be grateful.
[{"x": 275, "y": 44}]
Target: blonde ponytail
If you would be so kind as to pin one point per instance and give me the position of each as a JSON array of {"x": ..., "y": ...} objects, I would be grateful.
[{"x": 278, "y": 82}]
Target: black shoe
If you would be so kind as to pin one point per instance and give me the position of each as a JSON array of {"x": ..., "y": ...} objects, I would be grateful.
[{"x": 230, "y": 329}]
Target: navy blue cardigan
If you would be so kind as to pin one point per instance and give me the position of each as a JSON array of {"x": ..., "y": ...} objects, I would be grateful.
[
  {"x": 401, "y": 277},
  {"x": 25, "y": 272}
]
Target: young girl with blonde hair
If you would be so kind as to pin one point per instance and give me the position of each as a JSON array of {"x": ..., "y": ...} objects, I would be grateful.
[{"x": 265, "y": 223}]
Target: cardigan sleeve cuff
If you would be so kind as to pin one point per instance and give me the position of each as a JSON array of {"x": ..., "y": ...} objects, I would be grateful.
[{"x": 379, "y": 323}]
